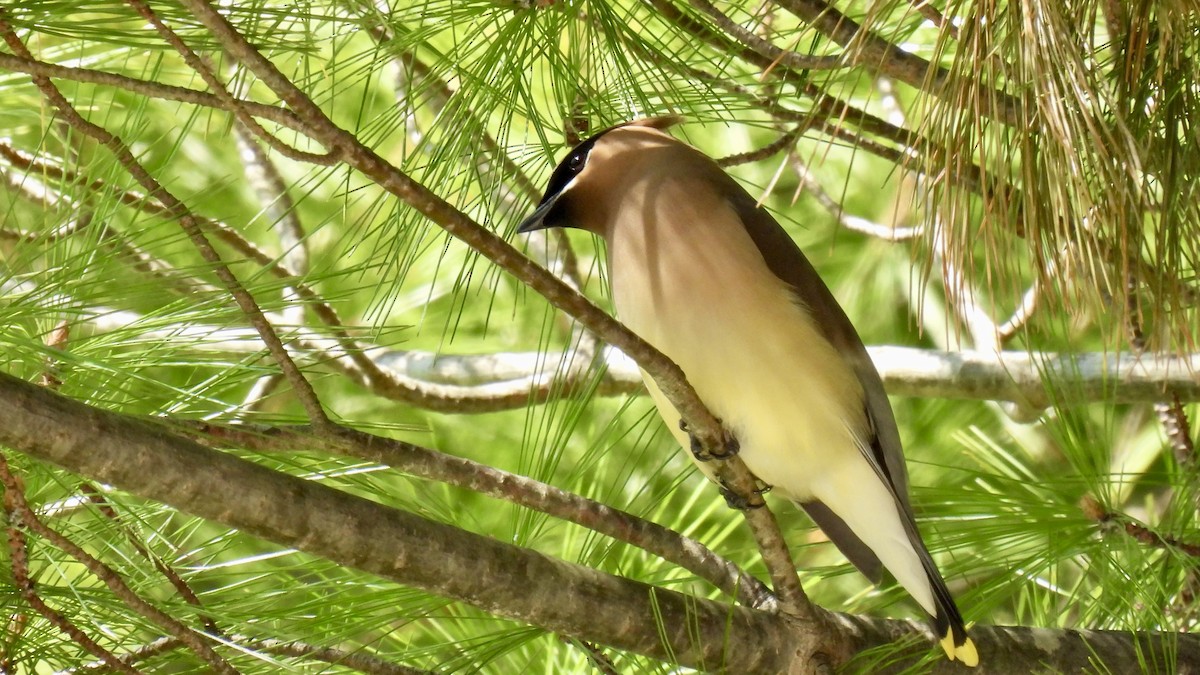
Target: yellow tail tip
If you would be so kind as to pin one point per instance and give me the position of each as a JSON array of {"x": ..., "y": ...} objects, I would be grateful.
[{"x": 966, "y": 652}]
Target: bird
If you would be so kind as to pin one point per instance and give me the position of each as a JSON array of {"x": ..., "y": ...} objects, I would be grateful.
[{"x": 703, "y": 273}]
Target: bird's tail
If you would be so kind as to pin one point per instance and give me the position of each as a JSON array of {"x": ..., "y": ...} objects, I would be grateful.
[{"x": 948, "y": 622}]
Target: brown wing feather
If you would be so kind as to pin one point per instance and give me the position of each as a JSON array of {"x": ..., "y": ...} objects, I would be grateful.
[{"x": 846, "y": 541}]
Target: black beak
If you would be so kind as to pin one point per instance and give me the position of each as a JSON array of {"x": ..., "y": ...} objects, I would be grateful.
[{"x": 537, "y": 219}]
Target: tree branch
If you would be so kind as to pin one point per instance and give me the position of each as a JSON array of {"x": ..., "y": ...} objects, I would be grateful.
[
  {"x": 507, "y": 580},
  {"x": 462, "y": 383},
  {"x": 868, "y": 49},
  {"x": 464, "y": 473},
  {"x": 499, "y": 578}
]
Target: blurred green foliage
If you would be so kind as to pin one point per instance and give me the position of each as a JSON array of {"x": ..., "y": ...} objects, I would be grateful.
[{"x": 426, "y": 84}]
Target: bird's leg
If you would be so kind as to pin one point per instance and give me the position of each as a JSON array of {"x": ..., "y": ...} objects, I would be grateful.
[{"x": 729, "y": 445}]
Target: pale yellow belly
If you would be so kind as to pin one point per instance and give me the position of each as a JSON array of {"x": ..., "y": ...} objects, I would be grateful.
[
  {"x": 784, "y": 408},
  {"x": 759, "y": 363}
]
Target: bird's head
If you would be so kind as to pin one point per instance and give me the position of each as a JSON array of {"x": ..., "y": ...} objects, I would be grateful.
[{"x": 598, "y": 171}]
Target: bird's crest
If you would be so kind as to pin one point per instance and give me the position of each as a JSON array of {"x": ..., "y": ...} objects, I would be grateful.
[{"x": 661, "y": 122}]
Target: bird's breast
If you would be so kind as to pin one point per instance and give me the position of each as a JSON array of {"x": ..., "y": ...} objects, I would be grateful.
[{"x": 688, "y": 278}]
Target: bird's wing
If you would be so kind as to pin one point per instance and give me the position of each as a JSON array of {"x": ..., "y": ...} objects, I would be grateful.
[
  {"x": 858, "y": 553},
  {"x": 786, "y": 261}
]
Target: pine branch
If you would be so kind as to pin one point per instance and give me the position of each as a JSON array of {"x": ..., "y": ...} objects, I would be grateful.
[
  {"x": 500, "y": 578},
  {"x": 872, "y": 51},
  {"x": 432, "y": 465}
]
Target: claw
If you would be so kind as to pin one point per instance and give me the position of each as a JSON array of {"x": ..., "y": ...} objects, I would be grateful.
[
  {"x": 730, "y": 446},
  {"x": 738, "y": 502},
  {"x": 697, "y": 451}
]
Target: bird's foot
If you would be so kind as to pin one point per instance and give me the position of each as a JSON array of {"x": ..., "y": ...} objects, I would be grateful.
[
  {"x": 729, "y": 445},
  {"x": 740, "y": 503}
]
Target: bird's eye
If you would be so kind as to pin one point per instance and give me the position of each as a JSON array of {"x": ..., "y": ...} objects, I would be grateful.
[{"x": 575, "y": 163}]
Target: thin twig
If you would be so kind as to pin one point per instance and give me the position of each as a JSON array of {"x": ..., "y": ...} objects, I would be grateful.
[
  {"x": 255, "y": 399},
  {"x": 935, "y": 17},
  {"x": 595, "y": 656},
  {"x": 27, "y": 64},
  {"x": 1022, "y": 314},
  {"x": 128, "y": 658},
  {"x": 1095, "y": 511},
  {"x": 764, "y": 47},
  {"x": 1179, "y": 432},
  {"x": 961, "y": 295},
  {"x": 185, "y": 591},
  {"x": 784, "y": 142},
  {"x": 1169, "y": 411},
  {"x": 280, "y": 209},
  {"x": 357, "y": 660},
  {"x": 812, "y": 186}
]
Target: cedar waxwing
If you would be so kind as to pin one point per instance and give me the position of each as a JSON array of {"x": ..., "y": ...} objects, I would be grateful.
[{"x": 709, "y": 278}]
